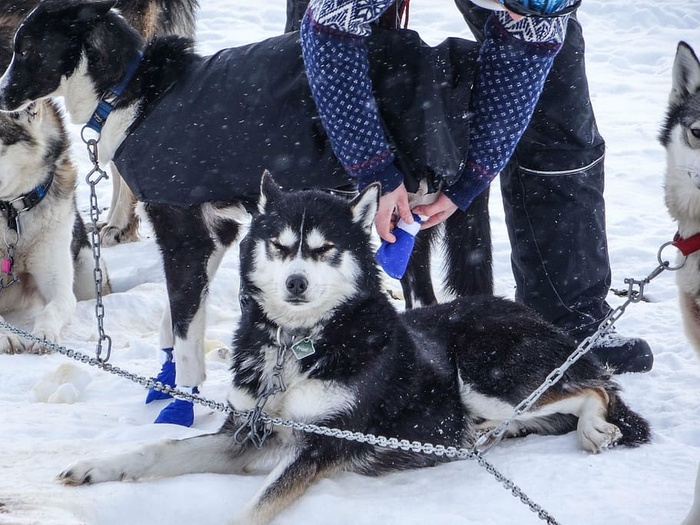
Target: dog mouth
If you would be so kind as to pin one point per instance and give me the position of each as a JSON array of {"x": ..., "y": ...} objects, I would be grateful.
[{"x": 296, "y": 301}]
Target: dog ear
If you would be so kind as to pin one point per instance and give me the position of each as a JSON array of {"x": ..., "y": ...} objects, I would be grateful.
[
  {"x": 269, "y": 190},
  {"x": 90, "y": 10},
  {"x": 364, "y": 206},
  {"x": 686, "y": 73}
]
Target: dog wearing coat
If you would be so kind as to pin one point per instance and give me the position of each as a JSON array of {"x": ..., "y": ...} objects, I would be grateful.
[
  {"x": 320, "y": 343},
  {"x": 47, "y": 261},
  {"x": 89, "y": 54},
  {"x": 680, "y": 136}
]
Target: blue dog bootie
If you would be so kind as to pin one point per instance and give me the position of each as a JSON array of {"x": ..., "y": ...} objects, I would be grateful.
[
  {"x": 179, "y": 412},
  {"x": 165, "y": 376},
  {"x": 393, "y": 256}
]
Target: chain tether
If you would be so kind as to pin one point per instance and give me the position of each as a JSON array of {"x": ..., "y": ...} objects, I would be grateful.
[
  {"x": 635, "y": 294},
  {"x": 92, "y": 179},
  {"x": 253, "y": 418}
]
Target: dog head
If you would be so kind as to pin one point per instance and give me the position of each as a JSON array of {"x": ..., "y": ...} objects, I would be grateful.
[
  {"x": 58, "y": 39},
  {"x": 307, "y": 253},
  {"x": 680, "y": 135}
]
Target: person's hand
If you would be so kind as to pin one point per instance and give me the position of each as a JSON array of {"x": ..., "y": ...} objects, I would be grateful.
[
  {"x": 385, "y": 219},
  {"x": 436, "y": 212}
]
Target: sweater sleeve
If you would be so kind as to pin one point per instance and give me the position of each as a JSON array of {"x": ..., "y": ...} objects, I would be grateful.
[
  {"x": 513, "y": 63},
  {"x": 334, "y": 47}
]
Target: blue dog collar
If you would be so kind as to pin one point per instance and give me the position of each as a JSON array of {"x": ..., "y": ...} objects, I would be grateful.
[{"x": 109, "y": 98}]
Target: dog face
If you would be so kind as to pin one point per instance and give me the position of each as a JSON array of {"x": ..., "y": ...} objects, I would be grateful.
[
  {"x": 29, "y": 140},
  {"x": 680, "y": 136},
  {"x": 307, "y": 253},
  {"x": 47, "y": 49}
]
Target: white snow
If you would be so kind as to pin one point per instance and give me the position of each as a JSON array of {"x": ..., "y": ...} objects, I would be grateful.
[{"x": 630, "y": 50}]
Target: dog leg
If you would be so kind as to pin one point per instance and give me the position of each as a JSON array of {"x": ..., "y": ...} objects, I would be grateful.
[
  {"x": 690, "y": 312},
  {"x": 214, "y": 453},
  {"x": 594, "y": 431},
  {"x": 285, "y": 484},
  {"x": 56, "y": 289},
  {"x": 122, "y": 222}
]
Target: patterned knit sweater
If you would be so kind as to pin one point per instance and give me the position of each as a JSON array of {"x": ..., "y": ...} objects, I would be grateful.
[{"x": 513, "y": 63}]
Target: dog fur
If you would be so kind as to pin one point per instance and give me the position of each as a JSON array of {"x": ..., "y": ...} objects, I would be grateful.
[
  {"x": 680, "y": 135},
  {"x": 149, "y": 18},
  {"x": 52, "y": 256},
  {"x": 84, "y": 49},
  {"x": 439, "y": 374}
]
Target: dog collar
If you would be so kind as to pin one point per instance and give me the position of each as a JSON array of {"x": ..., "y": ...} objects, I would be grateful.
[
  {"x": 687, "y": 246},
  {"x": 301, "y": 347},
  {"x": 24, "y": 202},
  {"x": 109, "y": 98}
]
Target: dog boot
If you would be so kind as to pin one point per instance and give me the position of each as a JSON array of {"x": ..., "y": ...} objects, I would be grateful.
[
  {"x": 165, "y": 376},
  {"x": 179, "y": 412},
  {"x": 393, "y": 256}
]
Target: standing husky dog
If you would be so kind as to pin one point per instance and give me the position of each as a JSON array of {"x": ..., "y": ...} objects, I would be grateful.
[
  {"x": 320, "y": 343},
  {"x": 87, "y": 52},
  {"x": 680, "y": 136}
]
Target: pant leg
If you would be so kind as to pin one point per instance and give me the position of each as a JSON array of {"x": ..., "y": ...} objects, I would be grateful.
[{"x": 553, "y": 196}]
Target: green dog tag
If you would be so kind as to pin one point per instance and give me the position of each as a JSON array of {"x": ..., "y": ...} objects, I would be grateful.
[{"x": 303, "y": 348}]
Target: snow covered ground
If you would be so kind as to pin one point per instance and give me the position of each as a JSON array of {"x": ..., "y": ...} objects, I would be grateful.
[{"x": 631, "y": 46}]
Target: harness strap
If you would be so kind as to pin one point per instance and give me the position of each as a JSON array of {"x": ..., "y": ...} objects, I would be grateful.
[
  {"x": 687, "y": 246},
  {"x": 109, "y": 98}
]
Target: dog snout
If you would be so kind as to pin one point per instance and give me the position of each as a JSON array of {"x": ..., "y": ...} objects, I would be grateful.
[{"x": 297, "y": 285}]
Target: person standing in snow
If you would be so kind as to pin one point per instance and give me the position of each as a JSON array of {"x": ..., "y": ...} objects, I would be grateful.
[{"x": 532, "y": 123}]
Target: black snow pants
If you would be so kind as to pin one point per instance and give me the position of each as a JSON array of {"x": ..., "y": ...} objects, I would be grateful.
[{"x": 552, "y": 192}]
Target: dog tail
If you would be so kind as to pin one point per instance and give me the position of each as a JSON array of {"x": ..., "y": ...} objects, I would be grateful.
[{"x": 635, "y": 429}]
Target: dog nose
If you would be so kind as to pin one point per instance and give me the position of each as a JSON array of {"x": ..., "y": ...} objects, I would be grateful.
[{"x": 297, "y": 285}]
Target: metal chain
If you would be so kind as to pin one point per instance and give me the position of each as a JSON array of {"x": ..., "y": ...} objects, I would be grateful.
[
  {"x": 359, "y": 437},
  {"x": 92, "y": 179},
  {"x": 634, "y": 295},
  {"x": 255, "y": 433}
]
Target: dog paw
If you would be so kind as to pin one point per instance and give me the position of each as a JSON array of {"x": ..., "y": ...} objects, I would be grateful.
[
  {"x": 113, "y": 235},
  {"x": 11, "y": 344},
  {"x": 599, "y": 436},
  {"x": 48, "y": 335},
  {"x": 87, "y": 473}
]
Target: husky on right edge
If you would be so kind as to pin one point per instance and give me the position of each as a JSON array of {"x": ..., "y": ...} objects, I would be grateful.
[
  {"x": 680, "y": 135},
  {"x": 319, "y": 343}
]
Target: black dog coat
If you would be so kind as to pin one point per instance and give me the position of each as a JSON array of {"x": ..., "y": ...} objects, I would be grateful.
[{"x": 247, "y": 109}]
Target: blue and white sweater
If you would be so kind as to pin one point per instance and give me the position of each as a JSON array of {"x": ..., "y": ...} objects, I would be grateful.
[{"x": 513, "y": 63}]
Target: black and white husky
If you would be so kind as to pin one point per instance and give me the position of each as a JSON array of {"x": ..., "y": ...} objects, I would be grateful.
[
  {"x": 83, "y": 51},
  {"x": 317, "y": 329},
  {"x": 680, "y": 136}
]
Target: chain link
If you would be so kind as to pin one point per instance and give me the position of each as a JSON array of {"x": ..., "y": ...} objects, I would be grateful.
[
  {"x": 635, "y": 294},
  {"x": 93, "y": 178}
]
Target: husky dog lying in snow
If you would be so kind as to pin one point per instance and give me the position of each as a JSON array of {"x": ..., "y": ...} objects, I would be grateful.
[{"x": 317, "y": 327}]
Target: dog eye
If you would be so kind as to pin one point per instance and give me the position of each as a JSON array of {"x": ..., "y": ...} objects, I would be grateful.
[
  {"x": 323, "y": 250},
  {"x": 279, "y": 248},
  {"x": 695, "y": 132}
]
